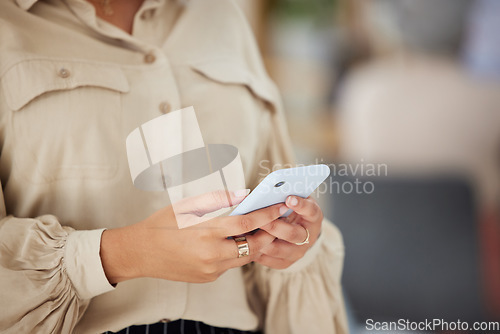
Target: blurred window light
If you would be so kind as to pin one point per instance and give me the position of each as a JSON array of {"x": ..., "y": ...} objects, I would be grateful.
[
  {"x": 424, "y": 25},
  {"x": 318, "y": 10},
  {"x": 481, "y": 52}
]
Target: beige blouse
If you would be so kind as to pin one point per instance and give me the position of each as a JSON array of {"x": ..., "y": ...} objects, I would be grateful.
[{"x": 72, "y": 87}]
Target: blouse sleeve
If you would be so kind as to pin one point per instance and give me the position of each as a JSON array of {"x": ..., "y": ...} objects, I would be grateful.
[
  {"x": 48, "y": 274},
  {"x": 307, "y": 296}
]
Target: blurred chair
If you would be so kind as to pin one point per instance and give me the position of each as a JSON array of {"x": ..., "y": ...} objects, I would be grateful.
[
  {"x": 411, "y": 249},
  {"x": 420, "y": 247}
]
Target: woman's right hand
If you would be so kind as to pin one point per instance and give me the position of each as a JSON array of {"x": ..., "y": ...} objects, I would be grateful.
[{"x": 157, "y": 247}]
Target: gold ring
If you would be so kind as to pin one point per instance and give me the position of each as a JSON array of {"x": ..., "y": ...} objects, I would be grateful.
[
  {"x": 306, "y": 240},
  {"x": 243, "y": 249}
]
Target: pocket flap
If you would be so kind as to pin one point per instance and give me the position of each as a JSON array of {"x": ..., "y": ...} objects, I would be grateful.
[
  {"x": 31, "y": 78},
  {"x": 229, "y": 72}
]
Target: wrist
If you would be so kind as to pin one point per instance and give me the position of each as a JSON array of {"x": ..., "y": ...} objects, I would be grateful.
[{"x": 119, "y": 255}]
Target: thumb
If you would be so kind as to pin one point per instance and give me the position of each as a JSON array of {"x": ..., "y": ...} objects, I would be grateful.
[{"x": 211, "y": 201}]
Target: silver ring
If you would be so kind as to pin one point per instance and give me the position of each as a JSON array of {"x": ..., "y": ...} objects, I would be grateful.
[
  {"x": 306, "y": 240},
  {"x": 243, "y": 249}
]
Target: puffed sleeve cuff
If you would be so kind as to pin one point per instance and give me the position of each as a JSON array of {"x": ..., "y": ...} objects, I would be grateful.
[
  {"x": 83, "y": 263},
  {"x": 48, "y": 271}
]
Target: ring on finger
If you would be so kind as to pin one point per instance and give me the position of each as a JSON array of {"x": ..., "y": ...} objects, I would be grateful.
[
  {"x": 242, "y": 244},
  {"x": 306, "y": 240}
]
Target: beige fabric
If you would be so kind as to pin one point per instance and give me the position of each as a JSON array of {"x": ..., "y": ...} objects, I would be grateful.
[{"x": 71, "y": 88}]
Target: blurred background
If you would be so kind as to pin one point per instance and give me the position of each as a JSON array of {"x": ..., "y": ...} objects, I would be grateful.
[{"x": 402, "y": 99}]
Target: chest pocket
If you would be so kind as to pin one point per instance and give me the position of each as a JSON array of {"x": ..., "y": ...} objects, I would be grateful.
[
  {"x": 230, "y": 73},
  {"x": 234, "y": 105},
  {"x": 237, "y": 96},
  {"x": 65, "y": 118}
]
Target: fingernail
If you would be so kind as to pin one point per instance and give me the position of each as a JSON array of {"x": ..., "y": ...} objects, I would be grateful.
[
  {"x": 241, "y": 192},
  {"x": 292, "y": 201},
  {"x": 283, "y": 209}
]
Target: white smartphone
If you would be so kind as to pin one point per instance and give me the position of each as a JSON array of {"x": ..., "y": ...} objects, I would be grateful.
[{"x": 278, "y": 185}]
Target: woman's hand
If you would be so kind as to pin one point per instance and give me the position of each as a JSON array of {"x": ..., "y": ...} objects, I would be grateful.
[
  {"x": 283, "y": 251},
  {"x": 157, "y": 247}
]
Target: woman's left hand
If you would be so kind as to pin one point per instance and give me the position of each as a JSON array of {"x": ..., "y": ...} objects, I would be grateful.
[{"x": 283, "y": 251}]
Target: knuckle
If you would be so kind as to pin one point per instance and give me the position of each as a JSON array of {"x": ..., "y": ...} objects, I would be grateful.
[
  {"x": 274, "y": 250},
  {"x": 270, "y": 213},
  {"x": 268, "y": 249},
  {"x": 295, "y": 233},
  {"x": 263, "y": 240},
  {"x": 209, "y": 234},
  {"x": 273, "y": 225},
  {"x": 208, "y": 256},
  {"x": 245, "y": 223},
  {"x": 254, "y": 257},
  {"x": 209, "y": 271},
  {"x": 204, "y": 258},
  {"x": 203, "y": 234},
  {"x": 204, "y": 239},
  {"x": 316, "y": 211}
]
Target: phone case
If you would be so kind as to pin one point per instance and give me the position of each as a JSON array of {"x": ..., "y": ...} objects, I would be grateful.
[{"x": 278, "y": 185}]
